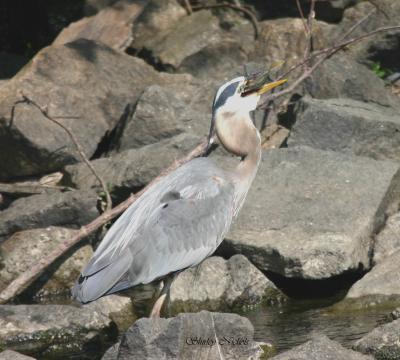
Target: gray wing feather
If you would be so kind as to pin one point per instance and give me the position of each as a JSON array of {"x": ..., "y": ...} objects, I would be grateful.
[{"x": 175, "y": 224}]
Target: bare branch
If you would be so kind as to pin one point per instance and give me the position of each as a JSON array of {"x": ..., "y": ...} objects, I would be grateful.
[
  {"x": 188, "y": 6},
  {"x": 45, "y": 113},
  {"x": 242, "y": 9},
  {"x": 25, "y": 279}
]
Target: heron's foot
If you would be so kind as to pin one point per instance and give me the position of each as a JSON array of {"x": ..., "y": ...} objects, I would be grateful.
[{"x": 156, "y": 310}]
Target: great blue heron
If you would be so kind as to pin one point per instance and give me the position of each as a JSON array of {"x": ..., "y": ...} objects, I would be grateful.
[{"x": 183, "y": 218}]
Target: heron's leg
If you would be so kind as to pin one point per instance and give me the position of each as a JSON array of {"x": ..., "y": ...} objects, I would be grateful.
[{"x": 156, "y": 310}]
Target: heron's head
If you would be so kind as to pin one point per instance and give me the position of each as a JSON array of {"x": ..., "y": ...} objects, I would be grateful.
[{"x": 237, "y": 98}]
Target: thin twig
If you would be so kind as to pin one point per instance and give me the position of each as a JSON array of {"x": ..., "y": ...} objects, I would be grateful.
[
  {"x": 188, "y": 6},
  {"x": 72, "y": 136},
  {"x": 303, "y": 19},
  {"x": 25, "y": 279},
  {"x": 242, "y": 9}
]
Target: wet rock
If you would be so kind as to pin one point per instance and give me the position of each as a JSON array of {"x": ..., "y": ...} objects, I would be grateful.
[
  {"x": 218, "y": 284},
  {"x": 188, "y": 36},
  {"x": 53, "y": 330},
  {"x": 383, "y": 342},
  {"x": 112, "y": 26},
  {"x": 24, "y": 249},
  {"x": 387, "y": 242},
  {"x": 132, "y": 169},
  {"x": 89, "y": 82},
  {"x": 321, "y": 348},
  {"x": 228, "y": 336},
  {"x": 118, "y": 308},
  {"x": 72, "y": 208},
  {"x": 395, "y": 314},
  {"x": 312, "y": 214},
  {"x": 381, "y": 282},
  {"x": 155, "y": 118},
  {"x": 342, "y": 77},
  {"x": 13, "y": 355},
  {"x": 347, "y": 126},
  {"x": 382, "y": 48},
  {"x": 94, "y": 6}
]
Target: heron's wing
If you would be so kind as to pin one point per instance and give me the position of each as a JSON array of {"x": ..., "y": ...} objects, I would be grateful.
[{"x": 175, "y": 224}]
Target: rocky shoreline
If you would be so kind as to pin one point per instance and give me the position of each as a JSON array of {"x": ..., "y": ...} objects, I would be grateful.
[{"x": 134, "y": 82}]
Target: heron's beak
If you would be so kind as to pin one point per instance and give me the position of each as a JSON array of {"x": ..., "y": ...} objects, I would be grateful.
[{"x": 270, "y": 86}]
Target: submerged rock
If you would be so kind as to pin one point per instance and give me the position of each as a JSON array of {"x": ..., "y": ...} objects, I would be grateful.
[
  {"x": 203, "y": 335},
  {"x": 72, "y": 208},
  {"x": 218, "y": 284},
  {"x": 320, "y": 348},
  {"x": 53, "y": 330},
  {"x": 347, "y": 126},
  {"x": 383, "y": 342},
  {"x": 312, "y": 214}
]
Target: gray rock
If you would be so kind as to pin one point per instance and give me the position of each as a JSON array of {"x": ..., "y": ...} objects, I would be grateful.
[
  {"x": 132, "y": 169},
  {"x": 26, "y": 248},
  {"x": 218, "y": 284},
  {"x": 321, "y": 348},
  {"x": 347, "y": 126},
  {"x": 13, "y": 355},
  {"x": 172, "y": 338},
  {"x": 72, "y": 208},
  {"x": 383, "y": 47},
  {"x": 342, "y": 77},
  {"x": 383, "y": 342},
  {"x": 382, "y": 281},
  {"x": 395, "y": 314},
  {"x": 53, "y": 330},
  {"x": 112, "y": 26},
  {"x": 155, "y": 118},
  {"x": 188, "y": 36},
  {"x": 81, "y": 79},
  {"x": 311, "y": 214},
  {"x": 387, "y": 242},
  {"x": 118, "y": 308}
]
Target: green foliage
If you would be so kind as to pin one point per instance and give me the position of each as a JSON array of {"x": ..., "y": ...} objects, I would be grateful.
[{"x": 379, "y": 70}]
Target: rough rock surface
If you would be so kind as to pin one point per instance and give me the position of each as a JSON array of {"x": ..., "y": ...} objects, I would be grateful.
[
  {"x": 132, "y": 169},
  {"x": 52, "y": 330},
  {"x": 218, "y": 284},
  {"x": 112, "y": 26},
  {"x": 13, "y": 355},
  {"x": 319, "y": 348},
  {"x": 24, "y": 249},
  {"x": 387, "y": 242},
  {"x": 118, "y": 308},
  {"x": 311, "y": 214},
  {"x": 347, "y": 126},
  {"x": 382, "y": 280},
  {"x": 342, "y": 77},
  {"x": 227, "y": 336},
  {"x": 88, "y": 84},
  {"x": 72, "y": 208},
  {"x": 383, "y": 342}
]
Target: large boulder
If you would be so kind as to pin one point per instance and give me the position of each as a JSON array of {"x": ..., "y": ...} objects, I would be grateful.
[
  {"x": 203, "y": 335},
  {"x": 218, "y": 284},
  {"x": 321, "y": 348},
  {"x": 312, "y": 214},
  {"x": 72, "y": 209},
  {"x": 24, "y": 249},
  {"x": 383, "y": 343},
  {"x": 87, "y": 86},
  {"x": 132, "y": 169},
  {"x": 111, "y": 26},
  {"x": 347, "y": 126},
  {"x": 54, "y": 330},
  {"x": 381, "y": 283}
]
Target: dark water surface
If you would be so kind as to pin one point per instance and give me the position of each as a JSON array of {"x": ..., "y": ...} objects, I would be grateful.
[{"x": 297, "y": 321}]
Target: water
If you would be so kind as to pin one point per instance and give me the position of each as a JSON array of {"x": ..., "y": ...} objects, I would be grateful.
[{"x": 297, "y": 321}]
